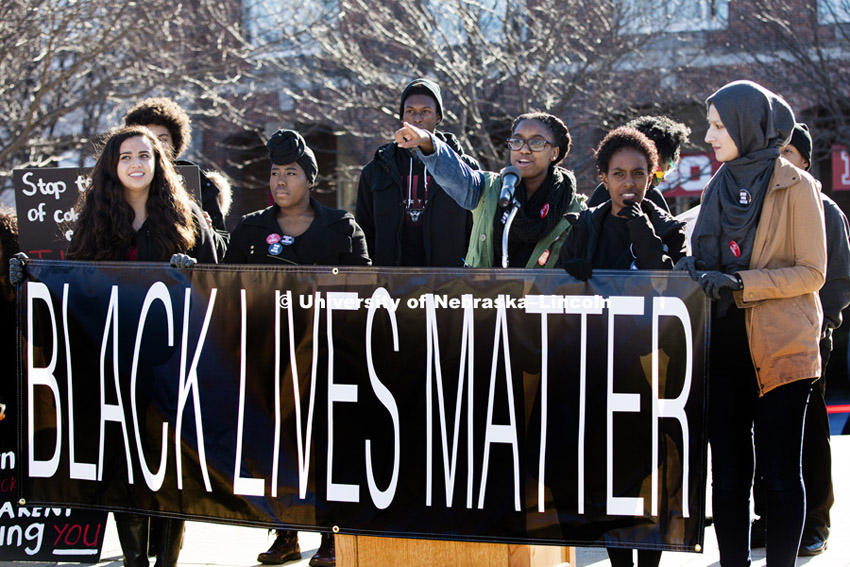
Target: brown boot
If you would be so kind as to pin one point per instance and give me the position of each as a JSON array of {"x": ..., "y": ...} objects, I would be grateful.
[
  {"x": 285, "y": 548},
  {"x": 326, "y": 555}
]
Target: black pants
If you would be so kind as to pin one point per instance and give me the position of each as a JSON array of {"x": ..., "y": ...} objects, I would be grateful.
[
  {"x": 744, "y": 427},
  {"x": 625, "y": 558},
  {"x": 817, "y": 466}
]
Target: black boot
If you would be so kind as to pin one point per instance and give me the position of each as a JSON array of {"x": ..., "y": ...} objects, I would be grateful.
[
  {"x": 169, "y": 533},
  {"x": 133, "y": 536},
  {"x": 326, "y": 555},
  {"x": 285, "y": 548}
]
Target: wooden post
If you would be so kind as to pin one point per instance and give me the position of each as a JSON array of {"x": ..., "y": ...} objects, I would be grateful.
[{"x": 369, "y": 551}]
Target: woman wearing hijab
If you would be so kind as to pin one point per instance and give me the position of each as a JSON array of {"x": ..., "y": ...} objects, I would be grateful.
[
  {"x": 760, "y": 254},
  {"x": 538, "y": 143}
]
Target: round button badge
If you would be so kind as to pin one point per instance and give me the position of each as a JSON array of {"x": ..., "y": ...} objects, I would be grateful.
[{"x": 273, "y": 238}]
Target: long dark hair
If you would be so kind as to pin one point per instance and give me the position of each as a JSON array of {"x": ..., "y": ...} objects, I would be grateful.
[{"x": 104, "y": 229}]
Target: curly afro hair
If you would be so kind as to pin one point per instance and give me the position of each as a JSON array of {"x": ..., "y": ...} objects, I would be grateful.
[
  {"x": 668, "y": 135},
  {"x": 622, "y": 138},
  {"x": 556, "y": 126},
  {"x": 163, "y": 112}
]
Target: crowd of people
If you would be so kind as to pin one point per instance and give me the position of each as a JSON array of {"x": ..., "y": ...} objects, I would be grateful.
[{"x": 768, "y": 248}]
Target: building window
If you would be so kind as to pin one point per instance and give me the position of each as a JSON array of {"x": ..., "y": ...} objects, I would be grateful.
[
  {"x": 833, "y": 11},
  {"x": 271, "y": 22},
  {"x": 491, "y": 18},
  {"x": 650, "y": 16}
]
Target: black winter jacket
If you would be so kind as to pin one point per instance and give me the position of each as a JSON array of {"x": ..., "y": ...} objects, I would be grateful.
[
  {"x": 204, "y": 250},
  {"x": 380, "y": 211},
  {"x": 656, "y": 244},
  {"x": 333, "y": 239}
]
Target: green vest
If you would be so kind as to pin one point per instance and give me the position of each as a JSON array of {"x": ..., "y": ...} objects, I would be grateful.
[{"x": 480, "y": 252}]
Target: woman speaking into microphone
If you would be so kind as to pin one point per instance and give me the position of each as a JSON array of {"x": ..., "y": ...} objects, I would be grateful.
[{"x": 543, "y": 195}]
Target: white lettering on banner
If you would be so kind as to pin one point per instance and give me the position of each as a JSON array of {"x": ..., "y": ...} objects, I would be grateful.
[
  {"x": 189, "y": 384},
  {"x": 845, "y": 176},
  {"x": 539, "y": 305},
  {"x": 583, "y": 305},
  {"x": 157, "y": 292},
  {"x": 500, "y": 433},
  {"x": 450, "y": 436},
  {"x": 338, "y": 393},
  {"x": 667, "y": 408},
  {"x": 433, "y": 367},
  {"x": 42, "y": 376},
  {"x": 242, "y": 485},
  {"x": 619, "y": 402},
  {"x": 382, "y": 498},
  {"x": 112, "y": 412},
  {"x": 304, "y": 444},
  {"x": 82, "y": 471}
]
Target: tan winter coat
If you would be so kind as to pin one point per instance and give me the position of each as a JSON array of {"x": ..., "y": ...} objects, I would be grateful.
[{"x": 787, "y": 268}]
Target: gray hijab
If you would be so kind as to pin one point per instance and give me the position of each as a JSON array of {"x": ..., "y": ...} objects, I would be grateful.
[{"x": 760, "y": 123}]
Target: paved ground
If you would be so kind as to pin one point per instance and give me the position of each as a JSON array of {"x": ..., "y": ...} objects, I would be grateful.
[{"x": 228, "y": 546}]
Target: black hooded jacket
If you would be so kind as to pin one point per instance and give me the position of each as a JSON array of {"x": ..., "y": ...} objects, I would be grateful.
[{"x": 380, "y": 211}]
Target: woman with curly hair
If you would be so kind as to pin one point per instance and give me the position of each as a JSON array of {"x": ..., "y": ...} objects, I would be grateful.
[
  {"x": 628, "y": 231},
  {"x": 137, "y": 209},
  {"x": 668, "y": 136},
  {"x": 546, "y": 192}
]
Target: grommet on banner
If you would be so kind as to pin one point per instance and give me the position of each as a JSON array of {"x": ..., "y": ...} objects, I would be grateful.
[
  {"x": 22, "y": 502},
  {"x": 335, "y": 271},
  {"x": 698, "y": 548},
  {"x": 336, "y": 529}
]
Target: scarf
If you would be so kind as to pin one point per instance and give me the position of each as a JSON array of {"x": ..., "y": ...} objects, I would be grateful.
[
  {"x": 760, "y": 123},
  {"x": 539, "y": 215}
]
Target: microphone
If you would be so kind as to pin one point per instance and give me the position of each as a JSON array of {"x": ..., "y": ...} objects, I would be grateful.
[{"x": 510, "y": 179}]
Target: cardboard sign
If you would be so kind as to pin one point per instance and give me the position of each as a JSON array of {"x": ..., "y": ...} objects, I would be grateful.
[{"x": 46, "y": 200}]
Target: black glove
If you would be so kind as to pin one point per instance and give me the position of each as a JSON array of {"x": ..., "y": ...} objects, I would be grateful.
[
  {"x": 713, "y": 283},
  {"x": 579, "y": 268},
  {"x": 182, "y": 261},
  {"x": 16, "y": 268},
  {"x": 691, "y": 264},
  {"x": 632, "y": 210}
]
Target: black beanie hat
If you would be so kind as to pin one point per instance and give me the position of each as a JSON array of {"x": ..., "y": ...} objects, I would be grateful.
[
  {"x": 802, "y": 140},
  {"x": 426, "y": 87},
  {"x": 288, "y": 146}
]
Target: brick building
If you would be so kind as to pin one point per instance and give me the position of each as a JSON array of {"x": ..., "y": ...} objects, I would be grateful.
[{"x": 688, "y": 49}]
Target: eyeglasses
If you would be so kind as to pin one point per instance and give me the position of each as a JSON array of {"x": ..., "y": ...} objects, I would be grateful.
[{"x": 534, "y": 144}]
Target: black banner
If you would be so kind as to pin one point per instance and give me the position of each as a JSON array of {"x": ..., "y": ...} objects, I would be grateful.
[{"x": 488, "y": 405}]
